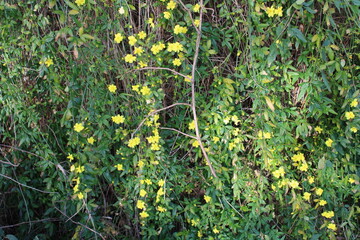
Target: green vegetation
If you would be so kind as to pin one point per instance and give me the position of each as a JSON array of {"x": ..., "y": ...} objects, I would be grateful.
[{"x": 170, "y": 119}]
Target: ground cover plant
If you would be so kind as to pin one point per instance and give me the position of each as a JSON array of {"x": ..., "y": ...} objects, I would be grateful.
[{"x": 169, "y": 119}]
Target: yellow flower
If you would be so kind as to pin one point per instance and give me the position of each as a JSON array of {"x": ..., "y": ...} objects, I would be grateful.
[
  {"x": 311, "y": 179},
  {"x": 318, "y": 129},
  {"x": 270, "y": 11},
  {"x": 354, "y": 129},
  {"x": 91, "y": 140},
  {"x": 141, "y": 163},
  {"x": 155, "y": 147},
  {"x": 328, "y": 214},
  {"x": 161, "y": 209},
  {"x": 79, "y": 169},
  {"x": 196, "y": 8},
  {"x": 197, "y": 22},
  {"x": 132, "y": 40},
  {"x": 49, "y": 62},
  {"x": 294, "y": 184},
  {"x": 354, "y": 103},
  {"x": 161, "y": 183},
  {"x": 140, "y": 204},
  {"x": 306, "y": 196},
  {"x": 196, "y": 143},
  {"x": 332, "y": 226},
  {"x": 298, "y": 157},
  {"x": 171, "y": 5},
  {"x": 153, "y": 139},
  {"x": 142, "y": 35},
  {"x": 144, "y": 214},
  {"x": 215, "y": 230},
  {"x": 136, "y": 88},
  {"x": 118, "y": 119},
  {"x": 130, "y": 58},
  {"x": 319, "y": 191},
  {"x": 80, "y": 2},
  {"x": 72, "y": 168},
  {"x": 216, "y": 139},
  {"x": 304, "y": 167},
  {"x": 178, "y": 29},
  {"x": 322, "y": 202},
  {"x": 156, "y": 48},
  {"x": 148, "y": 181},
  {"x": 143, "y": 193},
  {"x": 176, "y": 62},
  {"x": 160, "y": 192},
  {"x": 134, "y": 142},
  {"x": 142, "y": 64},
  {"x": 112, "y": 88},
  {"x": 329, "y": 142},
  {"x": 118, "y": 38},
  {"x": 145, "y": 91},
  {"x": 187, "y": 78},
  {"x": 167, "y": 15},
  {"x": 151, "y": 22},
  {"x": 279, "y": 172},
  {"x": 207, "y": 198},
  {"x": 264, "y": 135},
  {"x": 119, "y": 167},
  {"x": 279, "y": 11},
  {"x": 80, "y": 196},
  {"x": 121, "y": 10},
  {"x": 349, "y": 115},
  {"x": 199, "y": 234},
  {"x": 138, "y": 51},
  {"x": 76, "y": 188},
  {"x": 175, "y": 47},
  {"x": 192, "y": 125},
  {"x": 70, "y": 157},
  {"x": 351, "y": 180},
  {"x": 78, "y": 127}
]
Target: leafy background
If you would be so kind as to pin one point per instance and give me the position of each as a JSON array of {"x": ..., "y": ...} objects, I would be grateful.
[{"x": 276, "y": 86}]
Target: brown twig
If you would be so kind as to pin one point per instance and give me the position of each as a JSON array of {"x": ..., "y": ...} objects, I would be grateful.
[
  {"x": 193, "y": 99},
  {"x": 175, "y": 130},
  {"x": 21, "y": 184},
  {"x": 78, "y": 223}
]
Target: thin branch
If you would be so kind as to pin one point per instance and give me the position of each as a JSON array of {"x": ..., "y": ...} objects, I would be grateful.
[
  {"x": 78, "y": 223},
  {"x": 1, "y": 175},
  {"x": 156, "y": 111},
  {"x": 193, "y": 100},
  {"x": 173, "y": 129},
  {"x": 21, "y": 150},
  {"x": 30, "y": 222}
]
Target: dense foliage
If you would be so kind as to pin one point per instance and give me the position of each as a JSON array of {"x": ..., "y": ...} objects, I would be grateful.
[{"x": 170, "y": 119}]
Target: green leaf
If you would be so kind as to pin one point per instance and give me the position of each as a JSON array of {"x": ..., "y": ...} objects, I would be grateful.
[{"x": 297, "y": 33}]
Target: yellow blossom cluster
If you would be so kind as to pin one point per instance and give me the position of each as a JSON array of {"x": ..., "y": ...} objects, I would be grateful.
[
  {"x": 272, "y": 11},
  {"x": 175, "y": 47},
  {"x": 349, "y": 115},
  {"x": 179, "y": 29},
  {"x": 156, "y": 48},
  {"x": 134, "y": 142},
  {"x": 264, "y": 135},
  {"x": 154, "y": 140},
  {"x": 132, "y": 40},
  {"x": 142, "y": 35},
  {"x": 129, "y": 58},
  {"x": 279, "y": 172}
]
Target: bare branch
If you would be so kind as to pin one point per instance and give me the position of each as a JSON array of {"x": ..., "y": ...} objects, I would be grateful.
[
  {"x": 193, "y": 100},
  {"x": 1, "y": 175},
  {"x": 173, "y": 129}
]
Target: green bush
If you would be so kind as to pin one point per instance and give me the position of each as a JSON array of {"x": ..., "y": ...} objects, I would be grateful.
[{"x": 179, "y": 120}]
